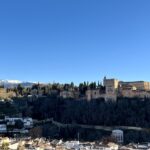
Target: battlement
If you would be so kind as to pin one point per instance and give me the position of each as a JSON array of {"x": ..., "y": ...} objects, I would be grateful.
[{"x": 116, "y": 88}]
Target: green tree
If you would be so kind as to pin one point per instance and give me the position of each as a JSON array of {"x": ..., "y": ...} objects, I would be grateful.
[
  {"x": 19, "y": 124},
  {"x": 5, "y": 146},
  {"x": 20, "y": 89}
]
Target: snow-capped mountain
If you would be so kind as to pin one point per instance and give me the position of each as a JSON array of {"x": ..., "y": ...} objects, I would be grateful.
[
  {"x": 11, "y": 81},
  {"x": 14, "y": 83}
]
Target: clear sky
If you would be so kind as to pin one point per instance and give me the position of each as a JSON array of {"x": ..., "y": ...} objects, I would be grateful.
[{"x": 74, "y": 40}]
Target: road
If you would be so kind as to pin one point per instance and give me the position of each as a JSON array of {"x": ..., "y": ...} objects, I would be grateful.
[{"x": 96, "y": 127}]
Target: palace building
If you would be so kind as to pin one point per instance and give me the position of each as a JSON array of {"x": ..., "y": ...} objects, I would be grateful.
[{"x": 115, "y": 88}]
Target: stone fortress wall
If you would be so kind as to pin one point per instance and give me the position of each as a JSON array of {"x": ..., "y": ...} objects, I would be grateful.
[{"x": 115, "y": 88}]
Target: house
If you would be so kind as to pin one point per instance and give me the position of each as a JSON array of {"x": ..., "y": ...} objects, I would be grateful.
[
  {"x": 94, "y": 94},
  {"x": 12, "y": 121},
  {"x": 113, "y": 146},
  {"x": 28, "y": 123},
  {"x": 67, "y": 94},
  {"x": 3, "y": 128}
]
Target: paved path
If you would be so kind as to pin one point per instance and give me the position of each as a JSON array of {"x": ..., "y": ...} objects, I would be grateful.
[{"x": 96, "y": 127}]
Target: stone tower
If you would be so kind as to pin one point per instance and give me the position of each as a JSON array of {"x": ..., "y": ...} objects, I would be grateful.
[{"x": 111, "y": 86}]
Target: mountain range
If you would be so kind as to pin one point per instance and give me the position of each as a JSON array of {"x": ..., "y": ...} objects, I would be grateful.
[{"x": 14, "y": 83}]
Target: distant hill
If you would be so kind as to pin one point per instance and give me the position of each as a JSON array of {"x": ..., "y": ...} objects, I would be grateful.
[{"x": 14, "y": 83}]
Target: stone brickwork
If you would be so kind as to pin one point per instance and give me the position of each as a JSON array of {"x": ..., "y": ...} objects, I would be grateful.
[{"x": 115, "y": 88}]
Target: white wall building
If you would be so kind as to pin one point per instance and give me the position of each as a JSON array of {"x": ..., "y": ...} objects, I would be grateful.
[
  {"x": 118, "y": 135},
  {"x": 3, "y": 128},
  {"x": 28, "y": 122},
  {"x": 11, "y": 121}
]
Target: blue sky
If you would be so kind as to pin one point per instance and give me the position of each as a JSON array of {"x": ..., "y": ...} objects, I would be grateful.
[{"x": 74, "y": 40}]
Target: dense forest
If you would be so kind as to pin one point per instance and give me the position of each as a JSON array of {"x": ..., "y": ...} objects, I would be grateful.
[{"x": 123, "y": 112}]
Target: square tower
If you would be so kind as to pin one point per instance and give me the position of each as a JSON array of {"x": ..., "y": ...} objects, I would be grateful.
[{"x": 111, "y": 86}]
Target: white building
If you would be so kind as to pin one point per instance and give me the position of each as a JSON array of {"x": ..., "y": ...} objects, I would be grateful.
[
  {"x": 72, "y": 145},
  {"x": 11, "y": 121},
  {"x": 28, "y": 122},
  {"x": 118, "y": 135},
  {"x": 3, "y": 128}
]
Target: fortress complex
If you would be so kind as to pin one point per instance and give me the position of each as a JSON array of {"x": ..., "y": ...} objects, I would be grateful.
[
  {"x": 139, "y": 85},
  {"x": 115, "y": 88}
]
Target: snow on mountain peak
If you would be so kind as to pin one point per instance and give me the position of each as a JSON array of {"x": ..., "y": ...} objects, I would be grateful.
[{"x": 14, "y": 81}]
